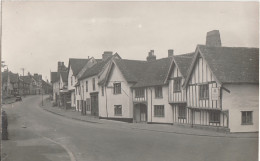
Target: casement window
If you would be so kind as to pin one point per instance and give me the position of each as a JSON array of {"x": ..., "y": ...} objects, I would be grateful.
[
  {"x": 158, "y": 92},
  {"x": 158, "y": 110},
  {"x": 177, "y": 84},
  {"x": 182, "y": 111},
  {"x": 204, "y": 91},
  {"x": 102, "y": 90},
  {"x": 247, "y": 117},
  {"x": 117, "y": 88},
  {"x": 139, "y": 93},
  {"x": 86, "y": 86},
  {"x": 94, "y": 84},
  {"x": 214, "y": 116},
  {"x": 118, "y": 110},
  {"x": 88, "y": 104}
]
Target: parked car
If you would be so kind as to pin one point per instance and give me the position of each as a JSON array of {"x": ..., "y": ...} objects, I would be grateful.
[{"x": 18, "y": 98}]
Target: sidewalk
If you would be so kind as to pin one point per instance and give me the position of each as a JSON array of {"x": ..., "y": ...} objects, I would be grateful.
[{"x": 162, "y": 128}]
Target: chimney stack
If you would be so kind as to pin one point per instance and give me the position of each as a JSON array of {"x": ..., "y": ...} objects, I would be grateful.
[
  {"x": 213, "y": 38},
  {"x": 106, "y": 55},
  {"x": 151, "y": 56},
  {"x": 170, "y": 52}
]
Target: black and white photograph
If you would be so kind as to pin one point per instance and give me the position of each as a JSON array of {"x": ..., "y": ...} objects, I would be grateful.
[{"x": 129, "y": 80}]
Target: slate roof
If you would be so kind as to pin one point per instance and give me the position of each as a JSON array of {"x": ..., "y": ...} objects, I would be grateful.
[
  {"x": 77, "y": 64},
  {"x": 183, "y": 62},
  {"x": 232, "y": 64},
  {"x": 54, "y": 77},
  {"x": 144, "y": 73},
  {"x": 64, "y": 76}
]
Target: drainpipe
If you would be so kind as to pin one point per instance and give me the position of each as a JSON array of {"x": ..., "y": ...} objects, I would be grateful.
[{"x": 151, "y": 104}]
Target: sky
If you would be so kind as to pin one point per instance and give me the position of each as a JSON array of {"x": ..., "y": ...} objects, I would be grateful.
[{"x": 36, "y": 35}]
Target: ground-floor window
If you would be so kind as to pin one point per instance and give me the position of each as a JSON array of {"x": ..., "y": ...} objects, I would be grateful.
[
  {"x": 88, "y": 104},
  {"x": 214, "y": 116},
  {"x": 247, "y": 117},
  {"x": 182, "y": 112},
  {"x": 118, "y": 110},
  {"x": 158, "y": 110}
]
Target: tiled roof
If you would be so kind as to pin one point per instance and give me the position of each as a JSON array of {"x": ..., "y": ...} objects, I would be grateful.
[
  {"x": 13, "y": 77},
  {"x": 232, "y": 64},
  {"x": 26, "y": 79},
  {"x": 145, "y": 73},
  {"x": 54, "y": 77},
  {"x": 64, "y": 76},
  {"x": 183, "y": 62},
  {"x": 77, "y": 64}
]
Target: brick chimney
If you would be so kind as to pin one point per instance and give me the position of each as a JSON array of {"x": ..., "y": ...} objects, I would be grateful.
[
  {"x": 170, "y": 52},
  {"x": 106, "y": 55},
  {"x": 213, "y": 38},
  {"x": 151, "y": 56},
  {"x": 61, "y": 66}
]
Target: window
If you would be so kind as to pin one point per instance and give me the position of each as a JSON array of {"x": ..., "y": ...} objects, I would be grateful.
[
  {"x": 204, "y": 91},
  {"x": 71, "y": 80},
  {"x": 83, "y": 88},
  {"x": 102, "y": 90},
  {"x": 139, "y": 93},
  {"x": 88, "y": 104},
  {"x": 118, "y": 110},
  {"x": 158, "y": 111},
  {"x": 177, "y": 84},
  {"x": 247, "y": 117},
  {"x": 117, "y": 88},
  {"x": 94, "y": 84},
  {"x": 214, "y": 116},
  {"x": 86, "y": 86},
  {"x": 182, "y": 112},
  {"x": 158, "y": 92}
]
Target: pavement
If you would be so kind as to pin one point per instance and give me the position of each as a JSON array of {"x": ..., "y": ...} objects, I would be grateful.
[
  {"x": 39, "y": 135},
  {"x": 166, "y": 128}
]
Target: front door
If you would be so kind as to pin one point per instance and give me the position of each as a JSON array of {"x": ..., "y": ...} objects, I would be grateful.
[
  {"x": 94, "y": 104},
  {"x": 140, "y": 113}
]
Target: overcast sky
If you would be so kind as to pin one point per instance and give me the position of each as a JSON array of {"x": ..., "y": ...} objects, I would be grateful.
[{"x": 36, "y": 35}]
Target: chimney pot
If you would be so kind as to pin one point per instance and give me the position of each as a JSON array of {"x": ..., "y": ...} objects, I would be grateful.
[
  {"x": 170, "y": 52},
  {"x": 213, "y": 38},
  {"x": 151, "y": 56},
  {"x": 106, "y": 54}
]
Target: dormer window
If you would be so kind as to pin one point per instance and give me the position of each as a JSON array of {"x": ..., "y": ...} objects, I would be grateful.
[{"x": 177, "y": 84}]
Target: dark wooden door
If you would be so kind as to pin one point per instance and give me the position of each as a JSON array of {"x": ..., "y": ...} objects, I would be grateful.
[{"x": 94, "y": 104}]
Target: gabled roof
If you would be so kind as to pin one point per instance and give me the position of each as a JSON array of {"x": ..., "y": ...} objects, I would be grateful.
[
  {"x": 77, "y": 64},
  {"x": 183, "y": 62},
  {"x": 230, "y": 64},
  {"x": 26, "y": 79},
  {"x": 144, "y": 73},
  {"x": 54, "y": 77},
  {"x": 64, "y": 76},
  {"x": 14, "y": 78}
]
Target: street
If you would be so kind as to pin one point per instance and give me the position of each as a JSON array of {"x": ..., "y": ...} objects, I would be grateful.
[{"x": 37, "y": 135}]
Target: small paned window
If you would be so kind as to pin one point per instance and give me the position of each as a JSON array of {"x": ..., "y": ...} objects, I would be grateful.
[
  {"x": 204, "y": 91},
  {"x": 177, "y": 85},
  {"x": 117, "y": 88},
  {"x": 158, "y": 111},
  {"x": 182, "y": 112},
  {"x": 139, "y": 93},
  {"x": 247, "y": 117},
  {"x": 214, "y": 116},
  {"x": 158, "y": 92},
  {"x": 118, "y": 110}
]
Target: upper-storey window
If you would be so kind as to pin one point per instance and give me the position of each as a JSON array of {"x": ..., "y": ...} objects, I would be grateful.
[
  {"x": 139, "y": 93},
  {"x": 94, "y": 84},
  {"x": 247, "y": 117},
  {"x": 158, "y": 92},
  {"x": 86, "y": 86},
  {"x": 117, "y": 88},
  {"x": 177, "y": 84},
  {"x": 204, "y": 91}
]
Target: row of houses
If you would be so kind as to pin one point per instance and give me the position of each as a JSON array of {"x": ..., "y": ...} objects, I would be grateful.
[
  {"x": 212, "y": 87},
  {"x": 14, "y": 84}
]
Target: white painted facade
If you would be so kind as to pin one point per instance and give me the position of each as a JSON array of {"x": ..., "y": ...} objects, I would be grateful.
[
  {"x": 242, "y": 97},
  {"x": 71, "y": 83}
]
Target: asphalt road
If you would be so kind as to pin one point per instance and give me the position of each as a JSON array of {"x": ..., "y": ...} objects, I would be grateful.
[{"x": 37, "y": 135}]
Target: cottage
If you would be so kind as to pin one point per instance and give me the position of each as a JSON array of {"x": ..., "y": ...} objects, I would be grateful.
[{"x": 222, "y": 87}]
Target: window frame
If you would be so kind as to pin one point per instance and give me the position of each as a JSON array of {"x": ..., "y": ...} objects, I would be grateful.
[
  {"x": 139, "y": 93},
  {"x": 86, "y": 86},
  {"x": 159, "y": 111},
  {"x": 177, "y": 83},
  {"x": 158, "y": 93},
  {"x": 118, "y": 110},
  {"x": 204, "y": 95},
  {"x": 182, "y": 112},
  {"x": 102, "y": 90},
  {"x": 214, "y": 116},
  {"x": 247, "y": 122},
  {"x": 117, "y": 89}
]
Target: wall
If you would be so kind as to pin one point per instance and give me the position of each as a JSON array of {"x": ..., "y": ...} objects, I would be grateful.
[
  {"x": 159, "y": 101},
  {"x": 107, "y": 102},
  {"x": 242, "y": 97}
]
